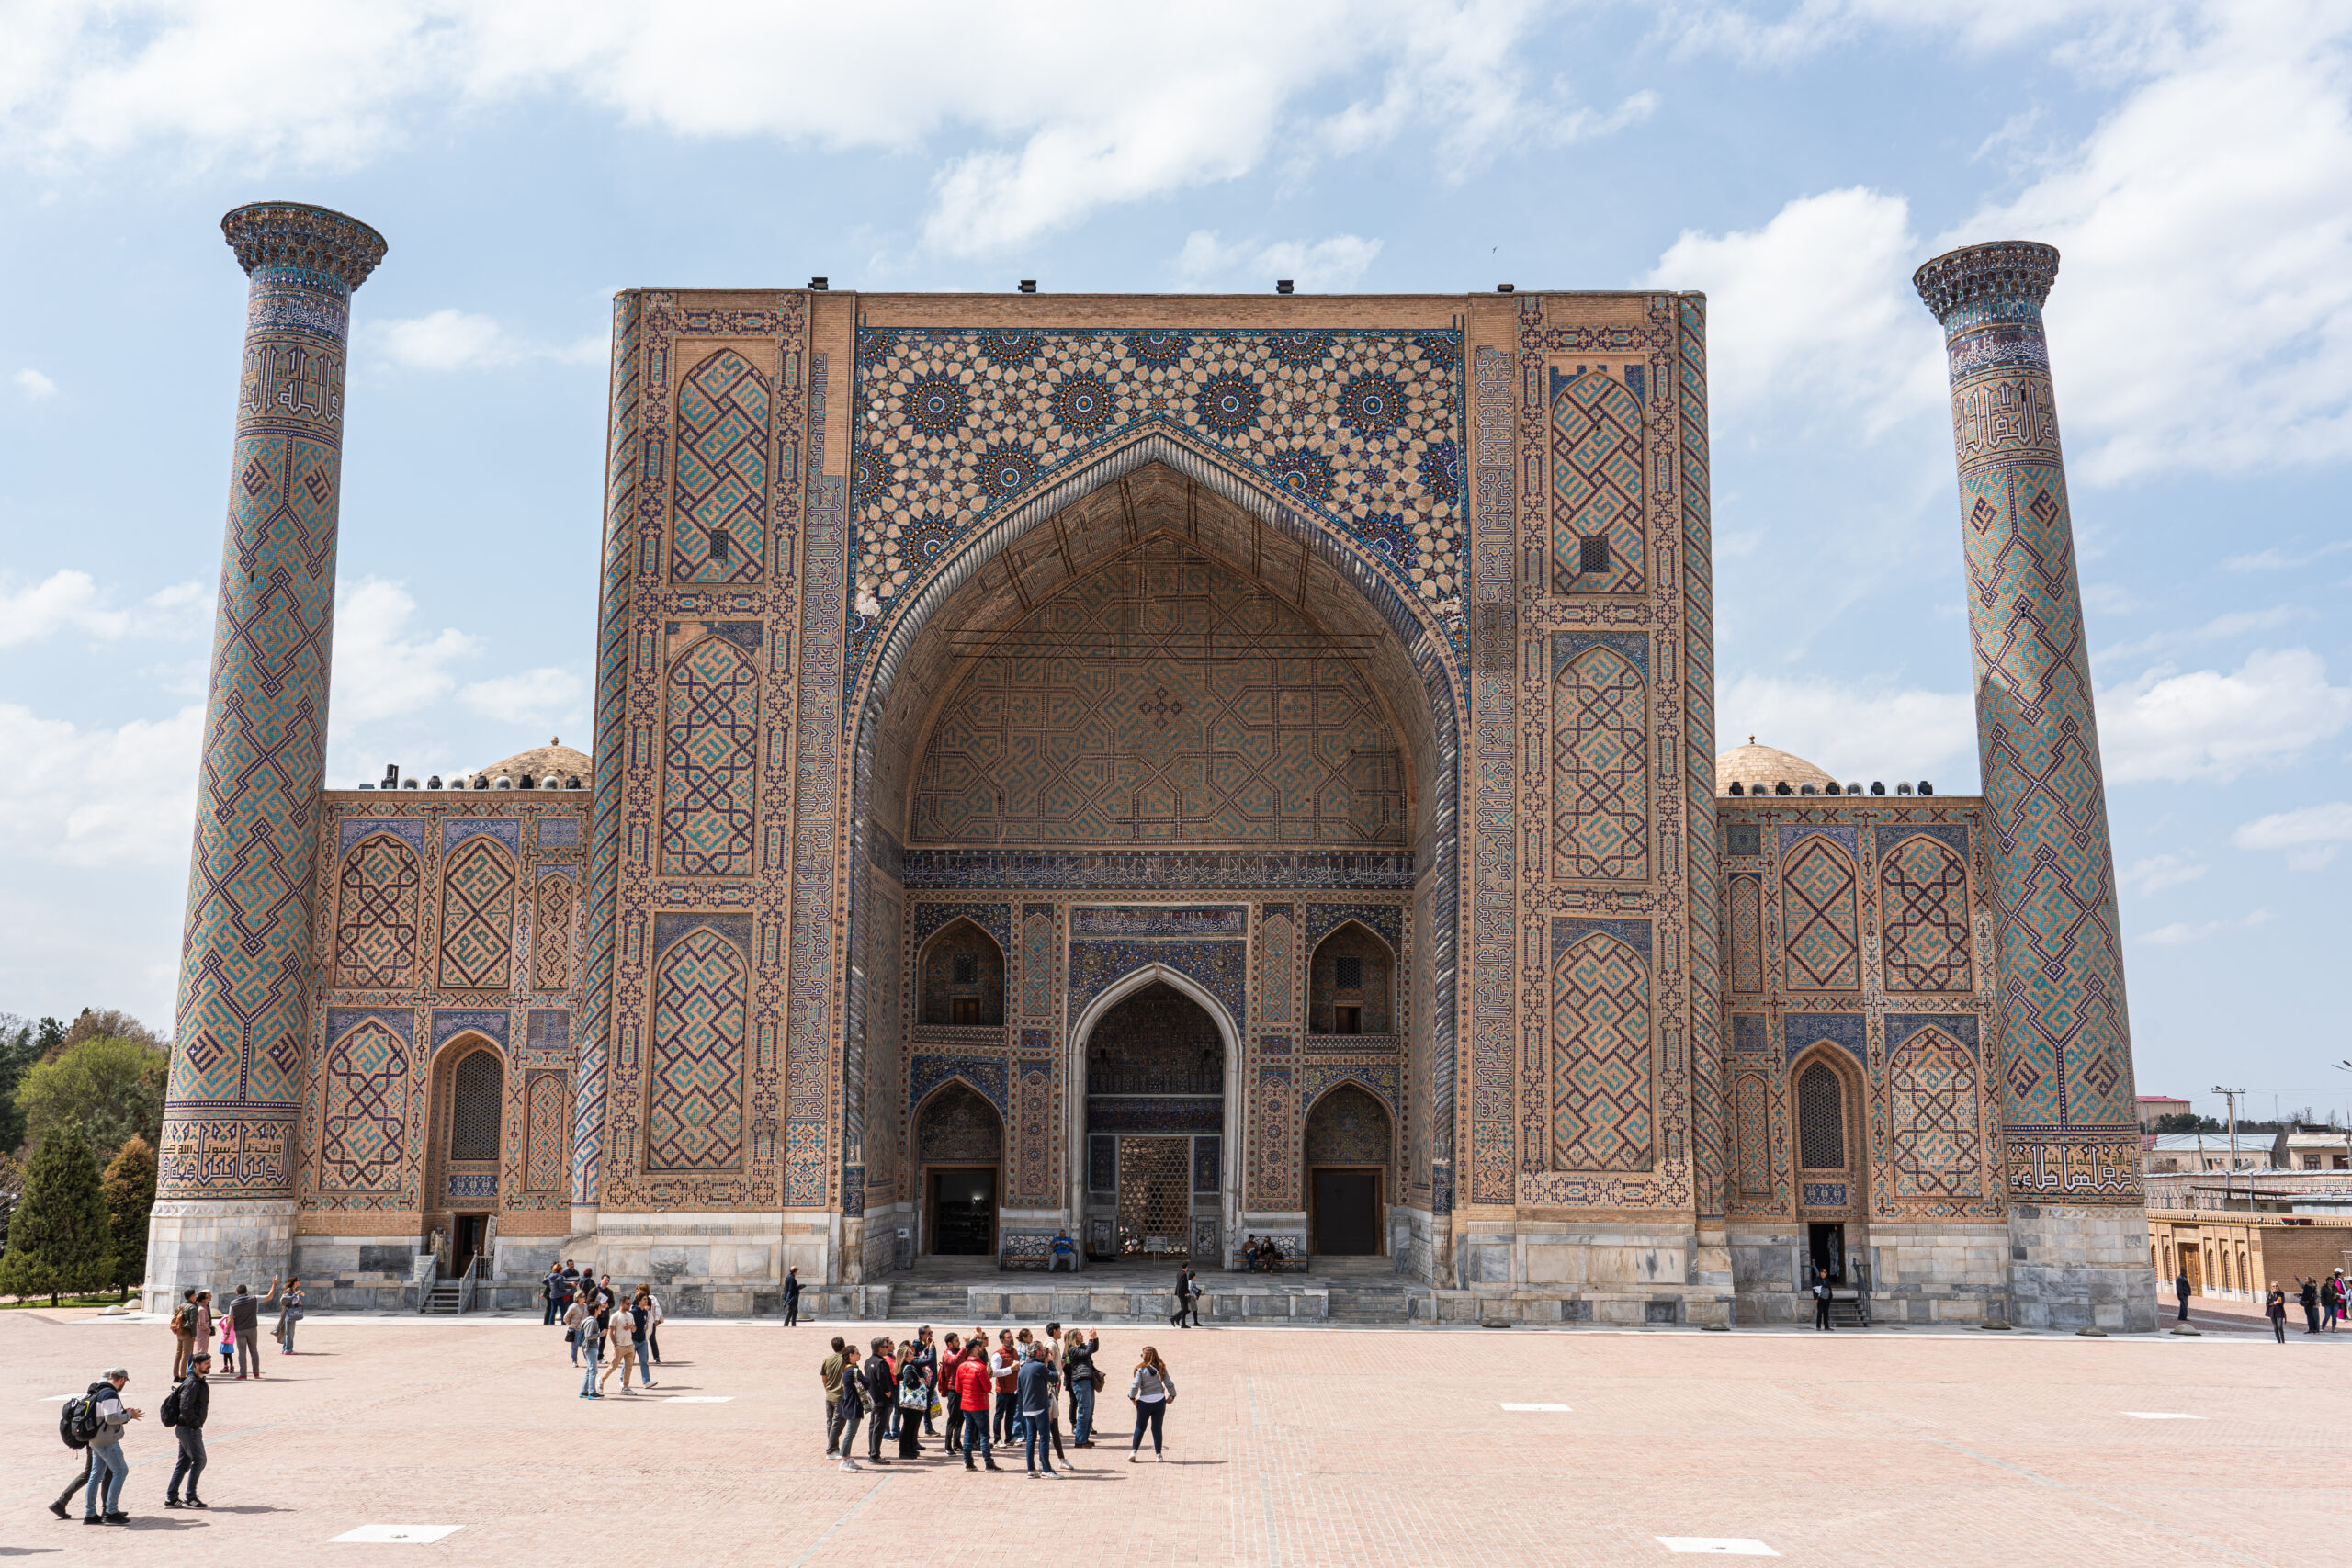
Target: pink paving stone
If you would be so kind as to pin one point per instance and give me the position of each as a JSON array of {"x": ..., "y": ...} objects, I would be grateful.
[{"x": 1296, "y": 1447}]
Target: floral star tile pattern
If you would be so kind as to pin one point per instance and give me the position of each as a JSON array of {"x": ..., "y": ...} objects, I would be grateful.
[{"x": 1361, "y": 428}]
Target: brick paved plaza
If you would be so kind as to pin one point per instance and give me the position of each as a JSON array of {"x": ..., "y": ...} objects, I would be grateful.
[{"x": 1289, "y": 1447}]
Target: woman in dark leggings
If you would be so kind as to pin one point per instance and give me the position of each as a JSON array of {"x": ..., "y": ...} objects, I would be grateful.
[
  {"x": 2276, "y": 1310},
  {"x": 1150, "y": 1391}
]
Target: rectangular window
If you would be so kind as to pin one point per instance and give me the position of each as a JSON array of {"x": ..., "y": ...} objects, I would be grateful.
[
  {"x": 965, "y": 1010},
  {"x": 1347, "y": 1020},
  {"x": 1347, "y": 971},
  {"x": 967, "y": 969},
  {"x": 722, "y": 544},
  {"x": 1592, "y": 552}
]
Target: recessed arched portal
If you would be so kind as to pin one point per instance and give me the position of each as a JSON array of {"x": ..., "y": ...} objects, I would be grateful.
[
  {"x": 1155, "y": 1126},
  {"x": 959, "y": 1158},
  {"x": 1164, "y": 683}
]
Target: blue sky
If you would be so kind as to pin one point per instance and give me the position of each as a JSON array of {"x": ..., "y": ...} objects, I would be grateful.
[{"x": 2193, "y": 163}]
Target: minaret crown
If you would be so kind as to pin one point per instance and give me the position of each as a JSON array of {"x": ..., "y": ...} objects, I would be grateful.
[
  {"x": 291, "y": 233},
  {"x": 2019, "y": 270}
]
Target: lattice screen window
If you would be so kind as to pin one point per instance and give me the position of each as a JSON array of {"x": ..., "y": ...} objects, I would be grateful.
[
  {"x": 1821, "y": 1119},
  {"x": 1155, "y": 1195},
  {"x": 1592, "y": 553},
  {"x": 967, "y": 969},
  {"x": 474, "y": 1115},
  {"x": 1348, "y": 971}
]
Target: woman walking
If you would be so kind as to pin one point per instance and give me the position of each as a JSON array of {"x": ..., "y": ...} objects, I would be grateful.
[
  {"x": 914, "y": 1401},
  {"x": 2275, "y": 1310},
  {"x": 1150, "y": 1391}
]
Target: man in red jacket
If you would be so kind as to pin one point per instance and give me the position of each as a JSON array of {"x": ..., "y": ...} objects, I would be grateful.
[{"x": 974, "y": 1387}]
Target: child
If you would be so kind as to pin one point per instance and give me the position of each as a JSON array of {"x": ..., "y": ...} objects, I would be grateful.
[{"x": 228, "y": 1341}]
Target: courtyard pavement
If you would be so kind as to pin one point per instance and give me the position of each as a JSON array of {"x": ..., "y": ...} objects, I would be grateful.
[{"x": 1288, "y": 1447}]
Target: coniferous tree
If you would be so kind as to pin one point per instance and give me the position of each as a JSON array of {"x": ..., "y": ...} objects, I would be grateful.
[
  {"x": 130, "y": 1191},
  {"x": 20, "y": 1049},
  {"x": 59, "y": 1238}
]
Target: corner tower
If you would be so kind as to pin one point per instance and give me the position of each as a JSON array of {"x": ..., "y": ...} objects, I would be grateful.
[
  {"x": 2078, "y": 1229},
  {"x": 226, "y": 1188}
]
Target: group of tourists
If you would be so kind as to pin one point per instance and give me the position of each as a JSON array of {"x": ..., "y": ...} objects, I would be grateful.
[
  {"x": 603, "y": 1328},
  {"x": 94, "y": 1420},
  {"x": 988, "y": 1395},
  {"x": 2323, "y": 1303}
]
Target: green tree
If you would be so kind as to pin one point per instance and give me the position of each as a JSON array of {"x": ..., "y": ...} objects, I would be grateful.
[
  {"x": 20, "y": 1049},
  {"x": 130, "y": 1191},
  {"x": 106, "y": 1023},
  {"x": 2188, "y": 1122},
  {"x": 110, "y": 1089},
  {"x": 58, "y": 1238}
]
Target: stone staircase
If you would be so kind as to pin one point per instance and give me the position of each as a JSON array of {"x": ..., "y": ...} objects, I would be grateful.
[
  {"x": 942, "y": 1303},
  {"x": 1368, "y": 1303},
  {"x": 444, "y": 1299}
]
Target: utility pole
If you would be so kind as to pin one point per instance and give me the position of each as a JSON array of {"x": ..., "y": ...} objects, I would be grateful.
[{"x": 2232, "y": 1096}]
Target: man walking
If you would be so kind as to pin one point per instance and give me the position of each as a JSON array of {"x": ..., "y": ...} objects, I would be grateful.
[
  {"x": 829, "y": 1373},
  {"x": 2180, "y": 1289},
  {"x": 1188, "y": 1300},
  {"x": 108, "y": 1468},
  {"x": 972, "y": 1387},
  {"x": 1037, "y": 1382},
  {"x": 184, "y": 1412},
  {"x": 245, "y": 1312},
  {"x": 792, "y": 1298}
]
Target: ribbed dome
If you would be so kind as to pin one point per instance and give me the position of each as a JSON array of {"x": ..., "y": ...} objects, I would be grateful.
[
  {"x": 554, "y": 757},
  {"x": 1755, "y": 765}
]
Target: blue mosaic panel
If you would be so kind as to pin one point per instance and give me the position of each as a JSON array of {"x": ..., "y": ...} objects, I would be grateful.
[
  {"x": 1207, "y": 1163},
  {"x": 928, "y": 1069},
  {"x": 1220, "y": 968},
  {"x": 1800, "y": 1030},
  {"x": 1101, "y": 1164}
]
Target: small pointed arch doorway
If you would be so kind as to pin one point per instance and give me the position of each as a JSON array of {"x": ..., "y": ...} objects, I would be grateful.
[
  {"x": 959, "y": 1148},
  {"x": 960, "y": 978},
  {"x": 1828, "y": 1108},
  {"x": 1348, "y": 1146},
  {"x": 466, "y": 1147}
]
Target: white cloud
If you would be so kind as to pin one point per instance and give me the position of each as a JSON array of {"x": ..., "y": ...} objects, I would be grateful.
[
  {"x": 2208, "y": 726},
  {"x": 73, "y": 601},
  {"x": 1811, "y": 26},
  {"x": 535, "y": 697},
  {"x": 1815, "y": 310},
  {"x": 2152, "y": 876},
  {"x": 33, "y": 384},
  {"x": 2311, "y": 835},
  {"x": 1074, "y": 107},
  {"x": 381, "y": 669},
  {"x": 1320, "y": 266},
  {"x": 1859, "y": 732},
  {"x": 2276, "y": 560},
  {"x": 93, "y": 797},
  {"x": 2180, "y": 933},
  {"x": 460, "y": 340},
  {"x": 2236, "y": 624},
  {"x": 2217, "y": 201}
]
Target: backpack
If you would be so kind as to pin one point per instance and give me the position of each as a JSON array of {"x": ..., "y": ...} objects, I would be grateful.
[
  {"x": 179, "y": 1319},
  {"x": 170, "y": 1413},
  {"x": 79, "y": 1422}
]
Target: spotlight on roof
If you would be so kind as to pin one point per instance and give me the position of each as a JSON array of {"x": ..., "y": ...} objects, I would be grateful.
[
  {"x": 818, "y": 284},
  {"x": 1282, "y": 285},
  {"x": 1503, "y": 287},
  {"x": 1028, "y": 286}
]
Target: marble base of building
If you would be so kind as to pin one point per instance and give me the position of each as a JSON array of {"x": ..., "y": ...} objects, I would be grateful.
[
  {"x": 2081, "y": 1268},
  {"x": 216, "y": 1246}
]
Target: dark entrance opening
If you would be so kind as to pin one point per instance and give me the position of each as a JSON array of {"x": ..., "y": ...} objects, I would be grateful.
[
  {"x": 1347, "y": 1212},
  {"x": 1828, "y": 1251},
  {"x": 963, "y": 1212},
  {"x": 467, "y": 1233}
]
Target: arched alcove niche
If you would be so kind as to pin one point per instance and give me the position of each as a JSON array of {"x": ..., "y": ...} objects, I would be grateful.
[
  {"x": 1351, "y": 984},
  {"x": 1158, "y": 653},
  {"x": 960, "y": 980},
  {"x": 959, "y": 1159},
  {"x": 1828, "y": 1109},
  {"x": 466, "y": 1147},
  {"x": 1346, "y": 1148}
]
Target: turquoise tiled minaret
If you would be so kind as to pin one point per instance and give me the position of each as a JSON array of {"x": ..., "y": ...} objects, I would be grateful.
[
  {"x": 2078, "y": 1230},
  {"x": 226, "y": 1193}
]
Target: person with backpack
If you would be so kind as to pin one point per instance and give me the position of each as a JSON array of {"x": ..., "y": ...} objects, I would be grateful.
[
  {"x": 184, "y": 1334},
  {"x": 594, "y": 1325},
  {"x": 578, "y": 1313},
  {"x": 102, "y": 1419},
  {"x": 183, "y": 1411}
]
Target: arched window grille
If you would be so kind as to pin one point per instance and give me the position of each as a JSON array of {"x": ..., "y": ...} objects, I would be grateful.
[
  {"x": 474, "y": 1115},
  {"x": 1821, "y": 1119}
]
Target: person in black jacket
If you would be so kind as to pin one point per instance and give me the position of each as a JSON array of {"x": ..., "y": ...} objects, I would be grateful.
[
  {"x": 850, "y": 1406},
  {"x": 791, "y": 1298},
  {"x": 2310, "y": 1297},
  {"x": 195, "y": 1404},
  {"x": 2180, "y": 1289},
  {"x": 881, "y": 1393}
]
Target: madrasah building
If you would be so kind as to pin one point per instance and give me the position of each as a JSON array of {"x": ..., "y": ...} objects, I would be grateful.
[{"x": 1165, "y": 770}]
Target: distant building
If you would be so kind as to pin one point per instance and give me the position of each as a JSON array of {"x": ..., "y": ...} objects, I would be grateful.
[
  {"x": 2207, "y": 1151},
  {"x": 2312, "y": 1148},
  {"x": 2154, "y": 1107}
]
